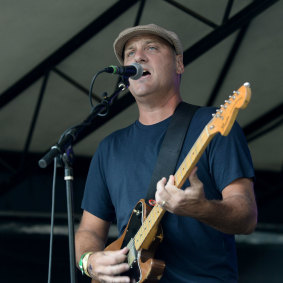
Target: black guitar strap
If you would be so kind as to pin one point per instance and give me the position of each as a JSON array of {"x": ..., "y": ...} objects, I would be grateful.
[{"x": 171, "y": 146}]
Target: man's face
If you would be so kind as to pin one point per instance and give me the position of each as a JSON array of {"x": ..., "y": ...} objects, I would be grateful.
[{"x": 160, "y": 64}]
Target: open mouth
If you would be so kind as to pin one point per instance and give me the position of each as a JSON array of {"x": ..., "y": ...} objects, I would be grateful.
[{"x": 145, "y": 73}]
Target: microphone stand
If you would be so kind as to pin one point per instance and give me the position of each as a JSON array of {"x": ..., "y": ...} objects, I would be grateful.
[
  {"x": 61, "y": 150},
  {"x": 69, "y": 193}
]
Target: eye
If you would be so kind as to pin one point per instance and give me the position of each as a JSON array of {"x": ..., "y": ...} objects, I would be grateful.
[
  {"x": 152, "y": 47},
  {"x": 130, "y": 53}
]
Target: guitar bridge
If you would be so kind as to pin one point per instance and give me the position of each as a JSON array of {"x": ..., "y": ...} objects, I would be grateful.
[{"x": 132, "y": 254}]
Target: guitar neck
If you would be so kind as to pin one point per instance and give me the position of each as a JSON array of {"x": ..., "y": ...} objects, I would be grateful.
[
  {"x": 152, "y": 221},
  {"x": 193, "y": 157}
]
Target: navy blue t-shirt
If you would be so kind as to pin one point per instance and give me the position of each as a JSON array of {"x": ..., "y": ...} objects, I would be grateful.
[{"x": 120, "y": 174}]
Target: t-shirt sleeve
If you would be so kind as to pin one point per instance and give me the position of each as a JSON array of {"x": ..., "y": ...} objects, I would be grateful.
[
  {"x": 96, "y": 199},
  {"x": 229, "y": 158}
]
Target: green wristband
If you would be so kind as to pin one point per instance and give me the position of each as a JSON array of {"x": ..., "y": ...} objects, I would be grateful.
[{"x": 81, "y": 263}]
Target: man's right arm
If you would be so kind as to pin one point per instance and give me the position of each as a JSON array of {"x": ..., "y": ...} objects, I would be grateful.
[{"x": 91, "y": 236}]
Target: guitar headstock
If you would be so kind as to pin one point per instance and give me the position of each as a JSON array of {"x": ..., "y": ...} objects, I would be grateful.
[{"x": 225, "y": 116}]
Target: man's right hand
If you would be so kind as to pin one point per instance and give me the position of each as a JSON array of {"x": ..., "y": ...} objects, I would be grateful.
[{"x": 106, "y": 266}]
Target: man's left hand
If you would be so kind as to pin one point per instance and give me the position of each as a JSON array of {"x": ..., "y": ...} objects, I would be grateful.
[{"x": 182, "y": 202}]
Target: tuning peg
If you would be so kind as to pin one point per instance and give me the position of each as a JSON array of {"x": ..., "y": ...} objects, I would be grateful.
[{"x": 247, "y": 84}]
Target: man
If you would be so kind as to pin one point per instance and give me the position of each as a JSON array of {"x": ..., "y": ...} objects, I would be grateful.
[{"x": 216, "y": 202}]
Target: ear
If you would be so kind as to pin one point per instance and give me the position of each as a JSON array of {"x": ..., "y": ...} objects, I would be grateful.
[{"x": 179, "y": 64}]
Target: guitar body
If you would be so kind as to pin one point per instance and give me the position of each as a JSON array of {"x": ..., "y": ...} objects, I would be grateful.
[{"x": 143, "y": 266}]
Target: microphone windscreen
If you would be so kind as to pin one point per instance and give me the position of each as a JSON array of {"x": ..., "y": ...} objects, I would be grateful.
[{"x": 139, "y": 69}]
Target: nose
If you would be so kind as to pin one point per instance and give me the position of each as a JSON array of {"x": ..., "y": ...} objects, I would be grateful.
[{"x": 140, "y": 56}]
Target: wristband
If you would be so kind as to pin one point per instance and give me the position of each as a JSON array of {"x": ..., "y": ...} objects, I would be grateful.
[
  {"x": 85, "y": 260},
  {"x": 83, "y": 263}
]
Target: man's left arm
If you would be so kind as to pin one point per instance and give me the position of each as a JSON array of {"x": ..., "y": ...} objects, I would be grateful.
[{"x": 236, "y": 213}]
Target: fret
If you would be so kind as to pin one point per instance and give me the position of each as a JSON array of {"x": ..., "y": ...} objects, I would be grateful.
[
  {"x": 206, "y": 130},
  {"x": 181, "y": 171},
  {"x": 177, "y": 177},
  {"x": 190, "y": 157},
  {"x": 196, "y": 147}
]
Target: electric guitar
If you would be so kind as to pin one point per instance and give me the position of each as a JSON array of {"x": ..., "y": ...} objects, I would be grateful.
[{"x": 143, "y": 232}]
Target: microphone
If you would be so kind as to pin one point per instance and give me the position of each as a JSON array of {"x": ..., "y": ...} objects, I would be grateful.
[{"x": 134, "y": 71}]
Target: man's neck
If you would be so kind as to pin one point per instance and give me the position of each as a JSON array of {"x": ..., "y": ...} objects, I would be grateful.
[{"x": 156, "y": 112}]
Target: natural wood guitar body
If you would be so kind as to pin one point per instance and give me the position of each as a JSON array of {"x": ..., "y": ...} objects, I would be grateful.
[{"x": 143, "y": 266}]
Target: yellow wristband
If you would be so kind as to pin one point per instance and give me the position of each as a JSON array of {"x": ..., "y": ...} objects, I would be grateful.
[{"x": 84, "y": 263}]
